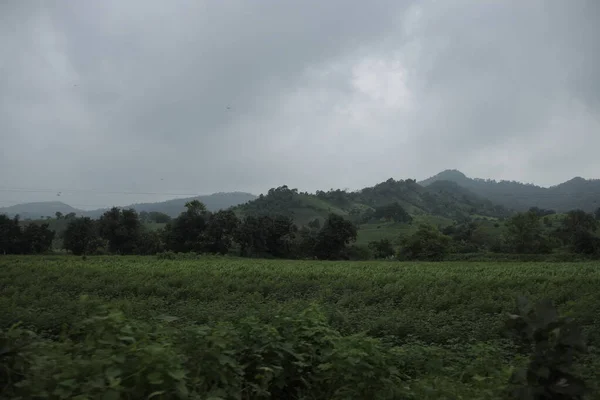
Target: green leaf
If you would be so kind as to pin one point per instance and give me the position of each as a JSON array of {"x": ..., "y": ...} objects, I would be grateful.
[
  {"x": 167, "y": 318},
  {"x": 157, "y": 393},
  {"x": 155, "y": 378},
  {"x": 112, "y": 372},
  {"x": 178, "y": 374},
  {"x": 111, "y": 395}
]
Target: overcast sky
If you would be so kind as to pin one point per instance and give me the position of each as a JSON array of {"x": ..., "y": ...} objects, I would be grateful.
[{"x": 99, "y": 98}]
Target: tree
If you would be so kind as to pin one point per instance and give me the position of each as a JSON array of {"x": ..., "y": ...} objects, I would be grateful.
[
  {"x": 10, "y": 235},
  {"x": 266, "y": 235},
  {"x": 81, "y": 236},
  {"x": 184, "y": 233},
  {"x": 37, "y": 238},
  {"x": 524, "y": 234},
  {"x": 597, "y": 214},
  {"x": 333, "y": 238},
  {"x": 280, "y": 235},
  {"x": 159, "y": 217},
  {"x": 150, "y": 242},
  {"x": 315, "y": 224},
  {"x": 249, "y": 236},
  {"x": 577, "y": 231},
  {"x": 121, "y": 228},
  {"x": 218, "y": 236},
  {"x": 58, "y": 215},
  {"x": 392, "y": 212},
  {"x": 382, "y": 248},
  {"x": 427, "y": 243}
]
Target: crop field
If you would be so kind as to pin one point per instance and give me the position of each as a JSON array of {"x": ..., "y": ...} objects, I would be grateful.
[{"x": 416, "y": 330}]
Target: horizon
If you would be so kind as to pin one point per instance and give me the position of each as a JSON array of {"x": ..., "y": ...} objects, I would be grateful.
[{"x": 175, "y": 196}]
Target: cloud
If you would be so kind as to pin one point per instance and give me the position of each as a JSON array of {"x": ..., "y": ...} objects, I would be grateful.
[{"x": 198, "y": 96}]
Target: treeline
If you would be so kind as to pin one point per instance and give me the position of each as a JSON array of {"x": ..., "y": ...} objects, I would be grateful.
[
  {"x": 197, "y": 230},
  {"x": 526, "y": 233},
  {"x": 29, "y": 239}
]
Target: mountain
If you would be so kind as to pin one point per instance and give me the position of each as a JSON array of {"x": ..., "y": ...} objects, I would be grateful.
[
  {"x": 213, "y": 202},
  {"x": 173, "y": 207},
  {"x": 444, "y": 199},
  {"x": 39, "y": 209},
  {"x": 577, "y": 193}
]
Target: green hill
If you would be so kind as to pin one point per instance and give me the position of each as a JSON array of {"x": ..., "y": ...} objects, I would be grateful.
[
  {"x": 577, "y": 193},
  {"x": 174, "y": 207},
  {"x": 442, "y": 199}
]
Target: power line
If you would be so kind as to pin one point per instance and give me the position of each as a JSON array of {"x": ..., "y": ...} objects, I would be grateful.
[
  {"x": 70, "y": 204},
  {"x": 190, "y": 194},
  {"x": 27, "y": 190}
]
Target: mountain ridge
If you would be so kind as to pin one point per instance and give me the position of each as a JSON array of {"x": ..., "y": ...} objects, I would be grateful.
[
  {"x": 576, "y": 193},
  {"x": 172, "y": 207}
]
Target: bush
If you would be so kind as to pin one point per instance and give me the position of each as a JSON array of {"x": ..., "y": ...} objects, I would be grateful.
[
  {"x": 428, "y": 243},
  {"x": 108, "y": 356}
]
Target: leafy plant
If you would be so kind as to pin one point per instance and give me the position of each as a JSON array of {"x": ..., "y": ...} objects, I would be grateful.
[{"x": 554, "y": 341}]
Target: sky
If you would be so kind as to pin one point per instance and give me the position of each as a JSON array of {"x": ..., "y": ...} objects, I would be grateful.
[{"x": 115, "y": 102}]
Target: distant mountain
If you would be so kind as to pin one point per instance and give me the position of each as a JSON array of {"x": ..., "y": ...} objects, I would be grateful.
[
  {"x": 577, "y": 193},
  {"x": 213, "y": 202},
  {"x": 38, "y": 210},
  {"x": 173, "y": 207}
]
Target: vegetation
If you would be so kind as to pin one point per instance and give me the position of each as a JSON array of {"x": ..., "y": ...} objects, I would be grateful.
[
  {"x": 239, "y": 328},
  {"x": 384, "y": 231},
  {"x": 29, "y": 239},
  {"x": 577, "y": 193},
  {"x": 171, "y": 208}
]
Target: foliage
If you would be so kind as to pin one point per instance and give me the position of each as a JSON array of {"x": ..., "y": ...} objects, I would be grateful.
[
  {"x": 121, "y": 229},
  {"x": 439, "y": 325},
  {"x": 333, "y": 238},
  {"x": 154, "y": 216},
  {"x": 392, "y": 212},
  {"x": 29, "y": 239},
  {"x": 555, "y": 342},
  {"x": 184, "y": 233},
  {"x": 382, "y": 248},
  {"x": 575, "y": 193},
  {"x": 525, "y": 235},
  {"x": 109, "y": 356},
  {"x": 80, "y": 236},
  {"x": 577, "y": 231},
  {"x": 218, "y": 236},
  {"x": 428, "y": 243}
]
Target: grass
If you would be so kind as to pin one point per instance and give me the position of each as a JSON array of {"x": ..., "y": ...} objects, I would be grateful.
[
  {"x": 394, "y": 231},
  {"x": 440, "y": 305}
]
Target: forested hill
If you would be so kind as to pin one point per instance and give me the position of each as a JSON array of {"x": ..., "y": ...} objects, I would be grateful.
[
  {"x": 213, "y": 202},
  {"x": 443, "y": 198},
  {"x": 577, "y": 193}
]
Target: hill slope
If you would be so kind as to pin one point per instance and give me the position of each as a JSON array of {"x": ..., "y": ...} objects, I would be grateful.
[
  {"x": 39, "y": 209},
  {"x": 577, "y": 193},
  {"x": 173, "y": 207},
  {"x": 213, "y": 202},
  {"x": 444, "y": 199}
]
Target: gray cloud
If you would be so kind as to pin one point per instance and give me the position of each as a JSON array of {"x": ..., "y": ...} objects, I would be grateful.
[{"x": 194, "y": 96}]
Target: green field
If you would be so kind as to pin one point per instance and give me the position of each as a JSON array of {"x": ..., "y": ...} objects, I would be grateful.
[{"x": 442, "y": 321}]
